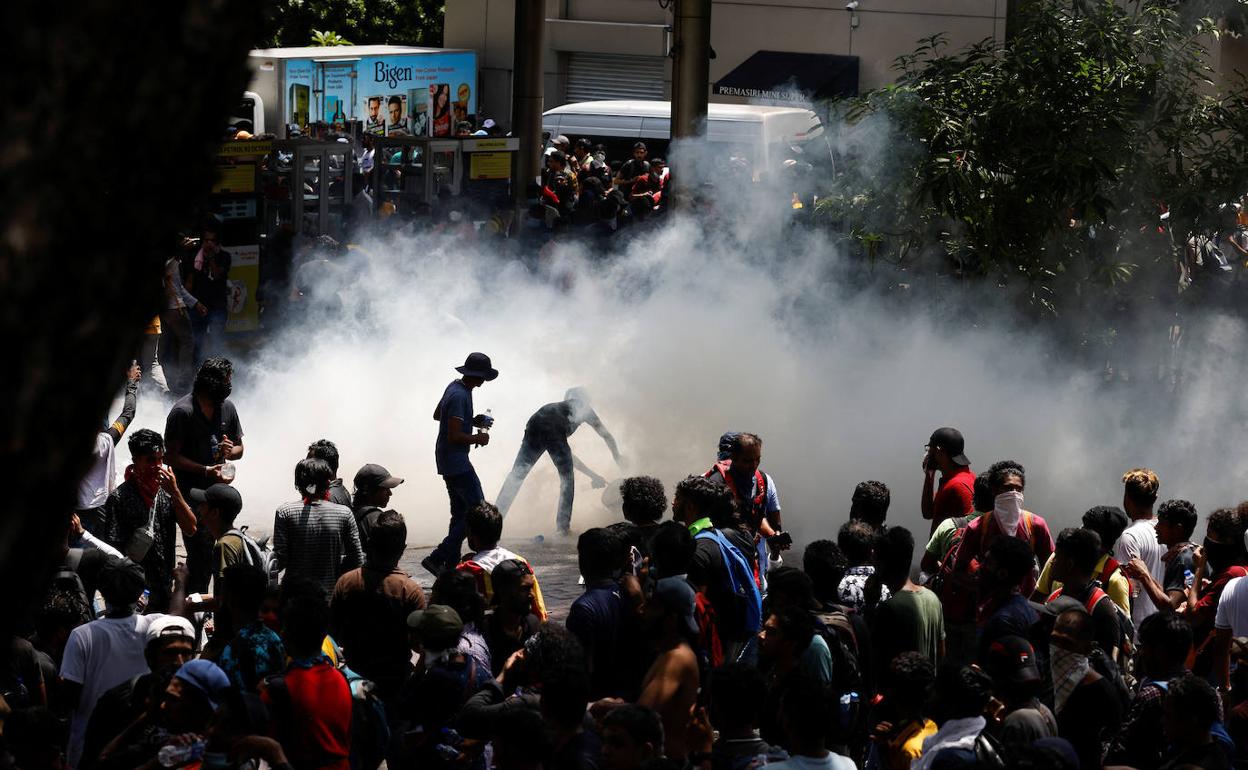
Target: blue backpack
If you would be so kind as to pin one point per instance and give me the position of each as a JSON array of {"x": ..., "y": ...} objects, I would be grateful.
[{"x": 748, "y": 603}]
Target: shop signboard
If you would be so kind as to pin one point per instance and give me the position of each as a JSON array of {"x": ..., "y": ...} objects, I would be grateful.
[{"x": 244, "y": 314}]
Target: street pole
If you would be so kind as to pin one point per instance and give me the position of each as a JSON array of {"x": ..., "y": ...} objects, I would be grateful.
[
  {"x": 527, "y": 98},
  {"x": 691, "y": 75}
]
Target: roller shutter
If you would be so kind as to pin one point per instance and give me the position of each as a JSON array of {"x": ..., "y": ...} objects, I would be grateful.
[{"x": 594, "y": 76}]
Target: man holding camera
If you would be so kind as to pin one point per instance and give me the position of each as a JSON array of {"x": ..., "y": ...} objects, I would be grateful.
[{"x": 455, "y": 421}]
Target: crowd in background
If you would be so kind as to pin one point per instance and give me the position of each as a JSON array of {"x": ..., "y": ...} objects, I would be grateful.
[{"x": 700, "y": 638}]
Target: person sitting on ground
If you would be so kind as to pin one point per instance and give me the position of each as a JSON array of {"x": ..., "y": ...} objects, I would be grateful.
[
  {"x": 485, "y": 528},
  {"x": 963, "y": 694},
  {"x": 1087, "y": 706},
  {"x": 870, "y": 503},
  {"x": 1139, "y": 540},
  {"x": 737, "y": 695},
  {"x": 805, "y": 712},
  {"x": 170, "y": 643},
  {"x": 142, "y": 515},
  {"x": 1190, "y": 711},
  {"x": 324, "y": 449},
  {"x": 1004, "y": 609},
  {"x": 255, "y": 651},
  {"x": 313, "y": 537},
  {"x": 511, "y": 623},
  {"x": 631, "y": 737},
  {"x": 898, "y": 741},
  {"x": 857, "y": 541},
  {"x": 911, "y": 619},
  {"x": 953, "y": 495},
  {"x": 1223, "y": 551},
  {"x": 596, "y": 616},
  {"x": 458, "y": 590},
  {"x": 1164, "y": 644},
  {"x": 1108, "y": 523},
  {"x": 311, "y": 702},
  {"x": 1176, "y": 521},
  {"x": 670, "y": 686},
  {"x": 374, "y": 486},
  {"x": 369, "y": 608},
  {"x": 1016, "y": 680},
  {"x": 785, "y": 635}
]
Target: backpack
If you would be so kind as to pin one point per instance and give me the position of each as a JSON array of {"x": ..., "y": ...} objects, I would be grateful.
[
  {"x": 848, "y": 683},
  {"x": 1126, "y": 628},
  {"x": 67, "y": 592},
  {"x": 370, "y": 732},
  {"x": 259, "y": 555},
  {"x": 739, "y": 577},
  {"x": 1211, "y": 256},
  {"x": 936, "y": 583}
]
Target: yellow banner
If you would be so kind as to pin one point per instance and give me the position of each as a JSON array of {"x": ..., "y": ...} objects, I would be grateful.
[
  {"x": 490, "y": 165},
  {"x": 235, "y": 179}
]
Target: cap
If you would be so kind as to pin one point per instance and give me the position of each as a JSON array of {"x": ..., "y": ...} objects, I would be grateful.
[
  {"x": 677, "y": 595},
  {"x": 437, "y": 625},
  {"x": 1012, "y": 659},
  {"x": 207, "y": 677},
  {"x": 509, "y": 572},
  {"x": 950, "y": 440},
  {"x": 374, "y": 476},
  {"x": 221, "y": 496},
  {"x": 1055, "y": 607},
  {"x": 169, "y": 625}
]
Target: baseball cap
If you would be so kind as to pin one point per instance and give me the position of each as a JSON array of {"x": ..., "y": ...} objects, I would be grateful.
[
  {"x": 169, "y": 625},
  {"x": 677, "y": 595},
  {"x": 437, "y": 625},
  {"x": 207, "y": 677},
  {"x": 221, "y": 496},
  {"x": 1012, "y": 659},
  {"x": 950, "y": 440},
  {"x": 373, "y": 476},
  {"x": 509, "y": 572}
]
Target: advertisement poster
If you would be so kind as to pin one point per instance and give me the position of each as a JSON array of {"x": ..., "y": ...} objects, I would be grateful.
[
  {"x": 339, "y": 94},
  {"x": 422, "y": 95},
  {"x": 243, "y": 281},
  {"x": 300, "y": 79}
]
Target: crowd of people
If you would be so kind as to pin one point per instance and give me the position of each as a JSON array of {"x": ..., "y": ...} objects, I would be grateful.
[
  {"x": 580, "y": 185},
  {"x": 700, "y": 640}
]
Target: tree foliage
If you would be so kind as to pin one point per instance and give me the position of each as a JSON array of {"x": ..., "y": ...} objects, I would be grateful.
[
  {"x": 1045, "y": 162},
  {"x": 375, "y": 22}
]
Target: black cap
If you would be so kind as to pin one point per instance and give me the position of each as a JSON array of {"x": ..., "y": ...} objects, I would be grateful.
[
  {"x": 950, "y": 440},
  {"x": 374, "y": 476},
  {"x": 1012, "y": 659},
  {"x": 221, "y": 496},
  {"x": 509, "y": 572},
  {"x": 478, "y": 365}
]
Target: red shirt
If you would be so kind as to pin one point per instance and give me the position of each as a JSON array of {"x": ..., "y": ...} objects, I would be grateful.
[
  {"x": 320, "y": 702},
  {"x": 955, "y": 496}
]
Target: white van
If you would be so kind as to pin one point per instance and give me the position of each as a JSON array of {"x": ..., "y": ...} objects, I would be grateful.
[{"x": 765, "y": 134}]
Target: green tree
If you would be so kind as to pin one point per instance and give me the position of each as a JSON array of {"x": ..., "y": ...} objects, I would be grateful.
[
  {"x": 326, "y": 38},
  {"x": 1044, "y": 163},
  {"x": 391, "y": 22}
]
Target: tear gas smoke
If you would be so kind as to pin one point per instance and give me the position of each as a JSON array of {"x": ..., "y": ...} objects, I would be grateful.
[{"x": 716, "y": 322}]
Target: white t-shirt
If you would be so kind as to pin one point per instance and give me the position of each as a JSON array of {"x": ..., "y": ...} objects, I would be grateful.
[
  {"x": 101, "y": 655},
  {"x": 101, "y": 479},
  {"x": 830, "y": 762},
  {"x": 1140, "y": 541},
  {"x": 1233, "y": 608}
]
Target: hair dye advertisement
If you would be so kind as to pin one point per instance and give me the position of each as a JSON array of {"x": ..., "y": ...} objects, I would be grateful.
[
  {"x": 300, "y": 85},
  {"x": 417, "y": 95}
]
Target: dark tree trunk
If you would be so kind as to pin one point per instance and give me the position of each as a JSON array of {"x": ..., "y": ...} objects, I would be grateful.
[{"x": 112, "y": 114}]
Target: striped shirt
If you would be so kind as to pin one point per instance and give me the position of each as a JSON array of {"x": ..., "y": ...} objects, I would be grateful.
[{"x": 317, "y": 540}]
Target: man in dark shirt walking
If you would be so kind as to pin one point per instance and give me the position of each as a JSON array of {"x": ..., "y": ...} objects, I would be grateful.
[
  {"x": 455, "y": 421},
  {"x": 202, "y": 433},
  {"x": 548, "y": 431}
]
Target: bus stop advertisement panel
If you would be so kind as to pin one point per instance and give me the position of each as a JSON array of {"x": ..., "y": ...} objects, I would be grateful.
[{"x": 416, "y": 94}]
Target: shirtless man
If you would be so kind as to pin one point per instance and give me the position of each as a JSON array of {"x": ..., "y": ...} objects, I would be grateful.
[{"x": 671, "y": 684}]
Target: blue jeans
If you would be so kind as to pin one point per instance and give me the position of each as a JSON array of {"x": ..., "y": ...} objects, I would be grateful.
[
  {"x": 531, "y": 450},
  {"x": 465, "y": 492}
]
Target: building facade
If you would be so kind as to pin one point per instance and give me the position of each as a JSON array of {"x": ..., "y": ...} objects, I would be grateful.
[{"x": 617, "y": 49}]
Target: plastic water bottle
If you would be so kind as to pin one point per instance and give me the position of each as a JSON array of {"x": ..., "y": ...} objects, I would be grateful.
[
  {"x": 143, "y": 601},
  {"x": 1188, "y": 576},
  {"x": 228, "y": 471},
  {"x": 489, "y": 421},
  {"x": 172, "y": 756}
]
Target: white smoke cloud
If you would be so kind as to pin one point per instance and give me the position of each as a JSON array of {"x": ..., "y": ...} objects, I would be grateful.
[{"x": 702, "y": 325}]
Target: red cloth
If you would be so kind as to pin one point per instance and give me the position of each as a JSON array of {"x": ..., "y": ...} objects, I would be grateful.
[
  {"x": 321, "y": 704},
  {"x": 955, "y": 496}
]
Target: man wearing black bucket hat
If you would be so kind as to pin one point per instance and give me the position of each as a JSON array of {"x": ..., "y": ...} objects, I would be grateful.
[
  {"x": 953, "y": 496},
  {"x": 455, "y": 421}
]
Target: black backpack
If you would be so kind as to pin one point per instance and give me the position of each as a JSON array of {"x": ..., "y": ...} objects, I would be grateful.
[{"x": 848, "y": 683}]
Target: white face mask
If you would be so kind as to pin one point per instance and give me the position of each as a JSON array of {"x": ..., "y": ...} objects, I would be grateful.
[{"x": 1007, "y": 509}]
